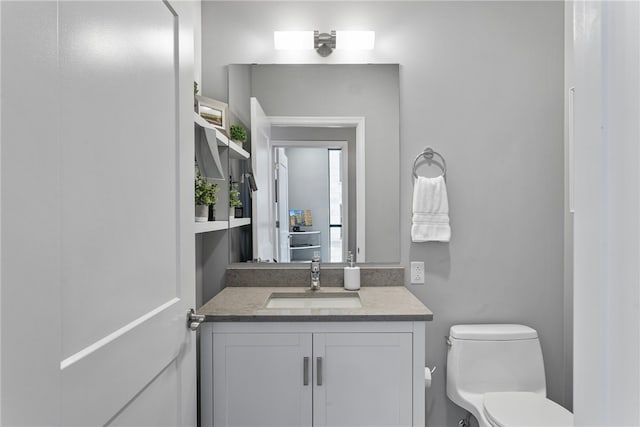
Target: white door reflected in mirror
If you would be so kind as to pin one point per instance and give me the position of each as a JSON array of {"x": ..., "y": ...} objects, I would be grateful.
[{"x": 282, "y": 205}]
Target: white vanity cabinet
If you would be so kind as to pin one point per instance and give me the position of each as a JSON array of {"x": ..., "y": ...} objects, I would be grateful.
[{"x": 312, "y": 373}]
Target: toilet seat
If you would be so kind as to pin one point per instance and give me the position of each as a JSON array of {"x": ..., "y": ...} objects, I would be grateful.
[{"x": 511, "y": 409}]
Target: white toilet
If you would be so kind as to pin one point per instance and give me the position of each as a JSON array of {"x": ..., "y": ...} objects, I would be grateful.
[{"x": 496, "y": 372}]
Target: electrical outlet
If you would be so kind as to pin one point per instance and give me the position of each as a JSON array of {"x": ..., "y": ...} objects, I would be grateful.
[{"x": 417, "y": 272}]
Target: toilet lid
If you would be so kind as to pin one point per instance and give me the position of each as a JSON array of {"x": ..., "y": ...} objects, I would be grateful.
[{"x": 510, "y": 409}]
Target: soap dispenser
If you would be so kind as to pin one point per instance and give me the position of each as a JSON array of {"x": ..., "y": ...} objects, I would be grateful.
[{"x": 351, "y": 275}]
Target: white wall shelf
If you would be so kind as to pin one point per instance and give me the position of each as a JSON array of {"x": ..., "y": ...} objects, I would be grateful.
[
  {"x": 300, "y": 243},
  {"x": 235, "y": 151},
  {"x": 205, "y": 227},
  {"x": 220, "y": 137},
  {"x": 239, "y": 222}
]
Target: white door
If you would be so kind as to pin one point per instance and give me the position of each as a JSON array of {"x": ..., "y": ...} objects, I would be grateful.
[
  {"x": 606, "y": 348},
  {"x": 97, "y": 242},
  {"x": 260, "y": 380},
  {"x": 262, "y": 220},
  {"x": 282, "y": 205},
  {"x": 362, "y": 379}
]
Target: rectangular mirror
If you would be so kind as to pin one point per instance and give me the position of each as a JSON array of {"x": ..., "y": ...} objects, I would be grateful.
[{"x": 324, "y": 144}]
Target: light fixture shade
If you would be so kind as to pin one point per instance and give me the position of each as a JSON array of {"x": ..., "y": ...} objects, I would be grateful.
[
  {"x": 290, "y": 40},
  {"x": 364, "y": 40}
]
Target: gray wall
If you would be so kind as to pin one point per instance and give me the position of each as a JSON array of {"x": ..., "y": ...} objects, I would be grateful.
[{"x": 482, "y": 82}]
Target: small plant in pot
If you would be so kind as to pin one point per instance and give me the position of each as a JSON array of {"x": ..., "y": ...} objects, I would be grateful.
[
  {"x": 205, "y": 196},
  {"x": 235, "y": 205},
  {"x": 238, "y": 134}
]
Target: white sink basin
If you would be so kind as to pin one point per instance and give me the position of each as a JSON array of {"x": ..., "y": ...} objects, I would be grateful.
[{"x": 314, "y": 300}]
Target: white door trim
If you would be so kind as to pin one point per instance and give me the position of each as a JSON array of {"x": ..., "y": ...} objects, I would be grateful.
[
  {"x": 0, "y": 222},
  {"x": 359, "y": 124}
]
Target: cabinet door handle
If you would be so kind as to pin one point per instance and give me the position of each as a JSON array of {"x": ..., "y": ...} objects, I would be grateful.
[
  {"x": 305, "y": 371},
  {"x": 319, "y": 369}
]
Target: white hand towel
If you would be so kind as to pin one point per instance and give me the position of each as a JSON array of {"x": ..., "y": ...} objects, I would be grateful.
[{"x": 430, "y": 211}]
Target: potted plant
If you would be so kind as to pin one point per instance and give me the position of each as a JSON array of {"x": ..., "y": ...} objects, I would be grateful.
[
  {"x": 235, "y": 205},
  {"x": 238, "y": 134},
  {"x": 205, "y": 196}
]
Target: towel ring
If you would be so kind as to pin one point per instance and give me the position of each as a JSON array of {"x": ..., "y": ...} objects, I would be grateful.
[{"x": 428, "y": 154}]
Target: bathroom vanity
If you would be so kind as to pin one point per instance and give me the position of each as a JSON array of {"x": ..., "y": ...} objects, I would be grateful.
[{"x": 286, "y": 356}]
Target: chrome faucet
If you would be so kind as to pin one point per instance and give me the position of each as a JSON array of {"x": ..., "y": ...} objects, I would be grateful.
[{"x": 315, "y": 272}]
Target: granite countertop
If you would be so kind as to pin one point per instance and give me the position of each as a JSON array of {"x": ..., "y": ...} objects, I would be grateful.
[{"x": 379, "y": 303}]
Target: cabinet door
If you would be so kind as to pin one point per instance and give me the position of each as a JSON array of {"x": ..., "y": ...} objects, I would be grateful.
[
  {"x": 362, "y": 379},
  {"x": 259, "y": 380}
]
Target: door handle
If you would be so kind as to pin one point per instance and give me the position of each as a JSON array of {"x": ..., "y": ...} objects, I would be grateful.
[
  {"x": 319, "y": 370},
  {"x": 305, "y": 373},
  {"x": 194, "y": 320}
]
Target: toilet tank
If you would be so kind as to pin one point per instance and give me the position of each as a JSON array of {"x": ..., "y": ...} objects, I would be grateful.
[{"x": 489, "y": 358}]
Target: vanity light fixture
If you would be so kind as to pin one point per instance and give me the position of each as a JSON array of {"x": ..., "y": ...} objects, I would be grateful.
[
  {"x": 323, "y": 43},
  {"x": 293, "y": 40}
]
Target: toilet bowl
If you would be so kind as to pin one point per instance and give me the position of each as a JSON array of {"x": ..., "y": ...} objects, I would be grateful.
[
  {"x": 506, "y": 409},
  {"x": 496, "y": 372}
]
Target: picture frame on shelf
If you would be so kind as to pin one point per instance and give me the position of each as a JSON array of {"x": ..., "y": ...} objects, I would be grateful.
[{"x": 215, "y": 112}]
